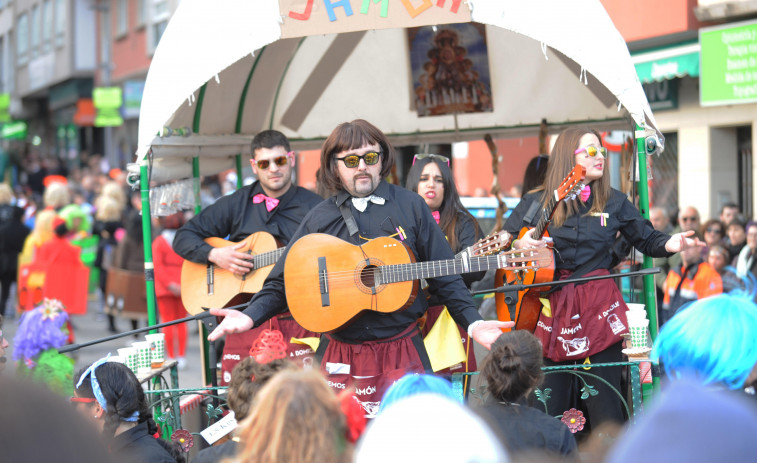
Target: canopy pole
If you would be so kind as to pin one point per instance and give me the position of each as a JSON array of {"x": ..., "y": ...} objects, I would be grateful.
[
  {"x": 650, "y": 293},
  {"x": 207, "y": 371},
  {"x": 240, "y": 112},
  {"x": 144, "y": 189}
]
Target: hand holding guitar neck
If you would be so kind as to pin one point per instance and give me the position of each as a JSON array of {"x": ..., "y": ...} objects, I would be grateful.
[{"x": 232, "y": 259}]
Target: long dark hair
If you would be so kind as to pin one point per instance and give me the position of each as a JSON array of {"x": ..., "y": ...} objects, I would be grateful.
[
  {"x": 513, "y": 367},
  {"x": 561, "y": 162},
  {"x": 451, "y": 207},
  {"x": 123, "y": 396},
  {"x": 349, "y": 136}
]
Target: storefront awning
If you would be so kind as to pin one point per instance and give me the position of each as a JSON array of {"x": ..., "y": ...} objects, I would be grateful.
[{"x": 667, "y": 63}]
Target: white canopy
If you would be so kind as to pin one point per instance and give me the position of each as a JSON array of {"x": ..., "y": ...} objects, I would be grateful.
[{"x": 235, "y": 67}]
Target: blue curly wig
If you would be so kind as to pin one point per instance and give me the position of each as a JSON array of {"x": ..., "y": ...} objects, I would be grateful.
[
  {"x": 414, "y": 384},
  {"x": 712, "y": 340}
]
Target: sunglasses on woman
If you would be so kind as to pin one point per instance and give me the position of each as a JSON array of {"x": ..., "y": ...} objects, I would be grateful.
[
  {"x": 353, "y": 160},
  {"x": 432, "y": 156},
  {"x": 592, "y": 150},
  {"x": 280, "y": 161}
]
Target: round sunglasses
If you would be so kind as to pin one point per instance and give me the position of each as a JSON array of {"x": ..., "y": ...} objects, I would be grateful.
[{"x": 353, "y": 160}]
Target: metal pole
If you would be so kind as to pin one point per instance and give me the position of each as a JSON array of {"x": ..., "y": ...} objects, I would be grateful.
[
  {"x": 144, "y": 189},
  {"x": 650, "y": 294},
  {"x": 105, "y": 60}
]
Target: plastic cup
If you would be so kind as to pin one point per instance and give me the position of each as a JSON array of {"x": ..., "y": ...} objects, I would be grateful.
[
  {"x": 144, "y": 357},
  {"x": 157, "y": 349},
  {"x": 129, "y": 355},
  {"x": 638, "y": 331}
]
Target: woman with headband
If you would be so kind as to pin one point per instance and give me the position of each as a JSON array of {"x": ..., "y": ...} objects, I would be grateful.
[{"x": 108, "y": 394}]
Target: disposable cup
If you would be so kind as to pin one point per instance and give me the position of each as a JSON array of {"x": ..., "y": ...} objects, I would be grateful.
[
  {"x": 638, "y": 333},
  {"x": 635, "y": 316},
  {"x": 633, "y": 306},
  {"x": 157, "y": 349},
  {"x": 144, "y": 357},
  {"x": 129, "y": 354}
]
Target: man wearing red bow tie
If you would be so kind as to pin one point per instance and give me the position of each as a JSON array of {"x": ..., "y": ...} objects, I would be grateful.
[{"x": 271, "y": 204}]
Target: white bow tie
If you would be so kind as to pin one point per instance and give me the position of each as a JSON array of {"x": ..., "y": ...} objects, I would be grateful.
[{"x": 361, "y": 203}]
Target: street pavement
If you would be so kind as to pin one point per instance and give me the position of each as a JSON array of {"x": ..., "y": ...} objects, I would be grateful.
[{"x": 94, "y": 325}]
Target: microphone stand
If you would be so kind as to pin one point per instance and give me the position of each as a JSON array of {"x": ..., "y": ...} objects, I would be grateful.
[{"x": 511, "y": 291}]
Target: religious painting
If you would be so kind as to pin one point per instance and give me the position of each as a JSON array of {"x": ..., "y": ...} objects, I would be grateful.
[{"x": 450, "y": 69}]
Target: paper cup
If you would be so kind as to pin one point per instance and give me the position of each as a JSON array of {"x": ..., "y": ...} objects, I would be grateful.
[
  {"x": 635, "y": 316},
  {"x": 638, "y": 333},
  {"x": 633, "y": 307},
  {"x": 144, "y": 358},
  {"x": 157, "y": 349},
  {"x": 129, "y": 355}
]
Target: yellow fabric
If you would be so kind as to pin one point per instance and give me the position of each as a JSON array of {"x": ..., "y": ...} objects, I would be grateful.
[
  {"x": 546, "y": 308},
  {"x": 310, "y": 342},
  {"x": 443, "y": 343}
]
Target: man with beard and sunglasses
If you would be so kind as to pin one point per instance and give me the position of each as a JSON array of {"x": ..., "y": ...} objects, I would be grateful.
[
  {"x": 375, "y": 348},
  {"x": 272, "y": 204}
]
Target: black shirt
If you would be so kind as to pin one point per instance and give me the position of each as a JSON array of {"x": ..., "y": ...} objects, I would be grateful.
[
  {"x": 402, "y": 209},
  {"x": 583, "y": 236},
  {"x": 136, "y": 445},
  {"x": 521, "y": 428},
  {"x": 237, "y": 217}
]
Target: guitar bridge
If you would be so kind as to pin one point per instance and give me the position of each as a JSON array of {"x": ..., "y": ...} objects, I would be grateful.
[
  {"x": 323, "y": 282},
  {"x": 210, "y": 278}
]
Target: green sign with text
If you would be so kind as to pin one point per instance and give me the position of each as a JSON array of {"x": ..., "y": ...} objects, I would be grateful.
[{"x": 728, "y": 64}]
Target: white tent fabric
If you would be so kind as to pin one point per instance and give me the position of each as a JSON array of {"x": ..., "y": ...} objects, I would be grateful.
[{"x": 560, "y": 61}]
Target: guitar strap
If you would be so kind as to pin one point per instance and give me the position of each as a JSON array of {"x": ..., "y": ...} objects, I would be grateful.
[
  {"x": 348, "y": 219},
  {"x": 531, "y": 213}
]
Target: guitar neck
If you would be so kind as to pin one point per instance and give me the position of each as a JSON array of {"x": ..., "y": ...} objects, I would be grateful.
[
  {"x": 546, "y": 218},
  {"x": 267, "y": 258},
  {"x": 439, "y": 268}
]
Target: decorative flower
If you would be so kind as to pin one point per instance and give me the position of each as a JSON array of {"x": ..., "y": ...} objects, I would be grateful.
[
  {"x": 183, "y": 438},
  {"x": 51, "y": 308},
  {"x": 354, "y": 414},
  {"x": 269, "y": 346},
  {"x": 574, "y": 419}
]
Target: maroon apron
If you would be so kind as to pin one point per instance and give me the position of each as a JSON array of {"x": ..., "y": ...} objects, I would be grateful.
[
  {"x": 586, "y": 319},
  {"x": 372, "y": 366},
  {"x": 238, "y": 345}
]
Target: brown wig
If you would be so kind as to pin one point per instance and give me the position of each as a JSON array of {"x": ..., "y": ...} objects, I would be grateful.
[
  {"x": 295, "y": 417},
  {"x": 349, "y": 136},
  {"x": 247, "y": 378},
  {"x": 513, "y": 367},
  {"x": 561, "y": 162},
  {"x": 451, "y": 204}
]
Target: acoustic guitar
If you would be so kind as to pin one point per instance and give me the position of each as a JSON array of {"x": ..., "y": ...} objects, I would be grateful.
[
  {"x": 207, "y": 285},
  {"x": 528, "y": 306},
  {"x": 330, "y": 281}
]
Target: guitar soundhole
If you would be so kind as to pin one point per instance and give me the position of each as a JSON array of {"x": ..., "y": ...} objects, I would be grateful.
[{"x": 368, "y": 276}]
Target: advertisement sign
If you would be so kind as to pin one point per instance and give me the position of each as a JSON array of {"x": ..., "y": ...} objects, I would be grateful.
[
  {"x": 108, "y": 101},
  {"x": 729, "y": 64}
]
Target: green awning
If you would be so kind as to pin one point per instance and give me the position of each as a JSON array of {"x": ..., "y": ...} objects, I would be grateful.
[{"x": 667, "y": 63}]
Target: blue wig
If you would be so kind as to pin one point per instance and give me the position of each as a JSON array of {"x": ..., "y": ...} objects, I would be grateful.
[
  {"x": 414, "y": 384},
  {"x": 712, "y": 340}
]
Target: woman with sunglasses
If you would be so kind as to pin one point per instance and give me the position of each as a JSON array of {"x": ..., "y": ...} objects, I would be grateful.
[
  {"x": 713, "y": 232},
  {"x": 109, "y": 395},
  {"x": 584, "y": 323},
  {"x": 431, "y": 177}
]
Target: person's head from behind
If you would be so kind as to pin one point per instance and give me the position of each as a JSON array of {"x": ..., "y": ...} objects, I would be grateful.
[
  {"x": 718, "y": 257},
  {"x": 355, "y": 158},
  {"x": 729, "y": 212},
  {"x": 56, "y": 195},
  {"x": 736, "y": 232},
  {"x": 39, "y": 425},
  {"x": 513, "y": 367},
  {"x": 247, "y": 378},
  {"x": 688, "y": 219},
  {"x": 111, "y": 397},
  {"x": 272, "y": 162},
  {"x": 295, "y": 417},
  {"x": 711, "y": 341},
  {"x": 536, "y": 171},
  {"x": 457, "y": 434},
  {"x": 414, "y": 384}
]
